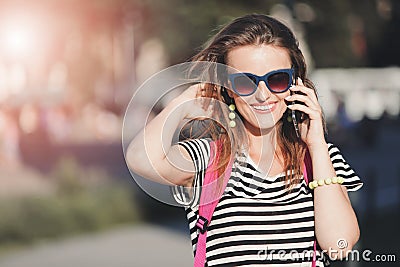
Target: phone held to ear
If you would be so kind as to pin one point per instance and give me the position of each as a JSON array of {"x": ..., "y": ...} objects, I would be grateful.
[
  {"x": 295, "y": 123},
  {"x": 297, "y": 116}
]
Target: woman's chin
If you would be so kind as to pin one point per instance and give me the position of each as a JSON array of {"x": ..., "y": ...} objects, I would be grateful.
[{"x": 260, "y": 126}]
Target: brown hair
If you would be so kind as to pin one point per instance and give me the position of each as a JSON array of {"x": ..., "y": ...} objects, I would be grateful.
[{"x": 255, "y": 29}]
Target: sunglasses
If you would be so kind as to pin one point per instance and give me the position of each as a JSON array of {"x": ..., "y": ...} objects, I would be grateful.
[{"x": 277, "y": 81}]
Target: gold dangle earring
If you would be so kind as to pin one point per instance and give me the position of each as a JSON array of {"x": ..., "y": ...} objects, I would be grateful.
[
  {"x": 289, "y": 117},
  {"x": 232, "y": 116}
]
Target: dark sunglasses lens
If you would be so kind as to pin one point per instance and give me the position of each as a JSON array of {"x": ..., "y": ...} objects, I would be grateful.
[
  {"x": 245, "y": 85},
  {"x": 279, "y": 82}
]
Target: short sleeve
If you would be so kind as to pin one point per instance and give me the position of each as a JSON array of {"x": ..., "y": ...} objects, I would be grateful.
[
  {"x": 351, "y": 180},
  {"x": 199, "y": 151}
]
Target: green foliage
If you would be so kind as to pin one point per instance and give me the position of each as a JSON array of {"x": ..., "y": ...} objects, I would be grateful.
[
  {"x": 68, "y": 176},
  {"x": 184, "y": 26},
  {"x": 75, "y": 207},
  {"x": 31, "y": 218}
]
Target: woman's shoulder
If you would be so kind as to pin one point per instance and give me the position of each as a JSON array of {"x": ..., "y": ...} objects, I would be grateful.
[
  {"x": 332, "y": 145},
  {"x": 334, "y": 149},
  {"x": 198, "y": 149},
  {"x": 196, "y": 142},
  {"x": 343, "y": 169}
]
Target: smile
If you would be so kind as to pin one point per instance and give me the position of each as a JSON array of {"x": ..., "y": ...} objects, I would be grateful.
[{"x": 264, "y": 108}]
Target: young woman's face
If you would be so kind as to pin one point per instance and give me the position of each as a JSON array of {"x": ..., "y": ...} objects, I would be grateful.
[{"x": 263, "y": 109}]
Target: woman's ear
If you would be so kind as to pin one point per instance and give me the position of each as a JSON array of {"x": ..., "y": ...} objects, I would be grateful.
[
  {"x": 230, "y": 93},
  {"x": 226, "y": 94},
  {"x": 227, "y": 90}
]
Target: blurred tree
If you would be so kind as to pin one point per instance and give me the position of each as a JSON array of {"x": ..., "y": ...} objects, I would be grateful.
[
  {"x": 185, "y": 26},
  {"x": 384, "y": 44},
  {"x": 340, "y": 33}
]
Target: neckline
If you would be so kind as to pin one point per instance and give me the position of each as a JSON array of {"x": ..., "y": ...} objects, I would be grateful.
[{"x": 250, "y": 161}]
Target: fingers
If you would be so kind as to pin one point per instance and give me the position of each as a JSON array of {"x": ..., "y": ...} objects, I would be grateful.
[
  {"x": 308, "y": 96},
  {"x": 305, "y": 99},
  {"x": 305, "y": 90},
  {"x": 312, "y": 113}
]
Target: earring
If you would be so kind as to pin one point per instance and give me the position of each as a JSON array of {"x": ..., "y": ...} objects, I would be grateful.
[
  {"x": 289, "y": 118},
  {"x": 232, "y": 116}
]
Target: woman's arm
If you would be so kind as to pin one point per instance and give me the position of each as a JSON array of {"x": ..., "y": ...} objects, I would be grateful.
[
  {"x": 334, "y": 216},
  {"x": 151, "y": 153}
]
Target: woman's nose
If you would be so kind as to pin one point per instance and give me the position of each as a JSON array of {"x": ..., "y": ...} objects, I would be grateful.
[{"x": 262, "y": 92}]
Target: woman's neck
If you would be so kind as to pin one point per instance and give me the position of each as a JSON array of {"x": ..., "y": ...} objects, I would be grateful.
[{"x": 264, "y": 150}]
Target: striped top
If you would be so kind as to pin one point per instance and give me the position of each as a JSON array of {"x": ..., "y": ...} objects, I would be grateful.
[{"x": 257, "y": 220}]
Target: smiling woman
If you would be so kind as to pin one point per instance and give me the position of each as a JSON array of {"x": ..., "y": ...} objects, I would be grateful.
[
  {"x": 260, "y": 60},
  {"x": 265, "y": 210}
]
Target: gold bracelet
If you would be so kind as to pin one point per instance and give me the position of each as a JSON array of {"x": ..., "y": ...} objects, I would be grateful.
[{"x": 335, "y": 180}]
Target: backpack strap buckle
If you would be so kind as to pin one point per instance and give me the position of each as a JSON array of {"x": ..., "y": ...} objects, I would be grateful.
[{"x": 202, "y": 224}]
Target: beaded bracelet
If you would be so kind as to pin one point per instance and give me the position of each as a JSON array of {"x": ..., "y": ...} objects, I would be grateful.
[{"x": 335, "y": 180}]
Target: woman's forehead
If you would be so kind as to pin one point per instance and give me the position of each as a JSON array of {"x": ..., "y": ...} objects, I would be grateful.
[{"x": 258, "y": 59}]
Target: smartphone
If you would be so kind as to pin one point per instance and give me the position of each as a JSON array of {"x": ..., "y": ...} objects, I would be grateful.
[
  {"x": 295, "y": 123},
  {"x": 297, "y": 116}
]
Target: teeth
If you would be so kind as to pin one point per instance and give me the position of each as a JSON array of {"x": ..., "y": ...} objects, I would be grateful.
[{"x": 264, "y": 107}]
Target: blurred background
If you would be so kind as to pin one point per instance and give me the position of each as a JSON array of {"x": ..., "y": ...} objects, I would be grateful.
[{"x": 68, "y": 69}]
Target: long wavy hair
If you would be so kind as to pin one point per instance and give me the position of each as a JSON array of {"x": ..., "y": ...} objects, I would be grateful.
[{"x": 254, "y": 29}]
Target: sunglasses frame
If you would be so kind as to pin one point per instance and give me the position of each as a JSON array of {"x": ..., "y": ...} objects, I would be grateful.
[{"x": 263, "y": 78}]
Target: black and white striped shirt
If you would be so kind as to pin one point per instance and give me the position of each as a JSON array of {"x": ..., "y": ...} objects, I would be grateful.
[{"x": 257, "y": 220}]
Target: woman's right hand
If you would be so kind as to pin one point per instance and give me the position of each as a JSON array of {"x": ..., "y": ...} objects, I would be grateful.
[
  {"x": 194, "y": 103},
  {"x": 151, "y": 153}
]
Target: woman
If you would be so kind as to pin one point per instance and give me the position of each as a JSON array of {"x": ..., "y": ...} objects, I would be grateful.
[{"x": 267, "y": 214}]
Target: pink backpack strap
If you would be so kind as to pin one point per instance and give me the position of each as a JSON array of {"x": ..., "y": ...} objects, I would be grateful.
[
  {"x": 209, "y": 199},
  {"x": 308, "y": 176}
]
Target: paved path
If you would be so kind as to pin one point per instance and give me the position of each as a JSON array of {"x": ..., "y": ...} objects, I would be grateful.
[{"x": 143, "y": 245}]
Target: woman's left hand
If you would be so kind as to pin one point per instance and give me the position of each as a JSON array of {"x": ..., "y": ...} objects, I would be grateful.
[{"x": 312, "y": 129}]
